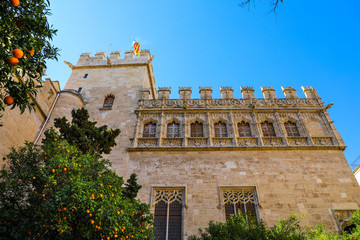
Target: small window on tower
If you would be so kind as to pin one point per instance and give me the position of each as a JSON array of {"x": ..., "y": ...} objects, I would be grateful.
[
  {"x": 149, "y": 130},
  {"x": 291, "y": 129},
  {"x": 220, "y": 129},
  {"x": 196, "y": 129},
  {"x": 109, "y": 100},
  {"x": 86, "y": 75},
  {"x": 268, "y": 129}
]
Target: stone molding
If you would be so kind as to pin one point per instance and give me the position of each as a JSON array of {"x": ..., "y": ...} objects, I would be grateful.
[{"x": 279, "y": 103}]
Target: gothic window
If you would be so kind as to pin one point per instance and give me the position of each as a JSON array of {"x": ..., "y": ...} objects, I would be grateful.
[
  {"x": 220, "y": 129},
  {"x": 240, "y": 201},
  {"x": 108, "y": 102},
  {"x": 149, "y": 130},
  {"x": 196, "y": 129},
  {"x": 173, "y": 130},
  {"x": 291, "y": 129},
  {"x": 268, "y": 129},
  {"x": 244, "y": 129},
  {"x": 168, "y": 214}
]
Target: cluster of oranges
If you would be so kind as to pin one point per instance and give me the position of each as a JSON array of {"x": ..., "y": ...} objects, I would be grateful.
[{"x": 17, "y": 54}]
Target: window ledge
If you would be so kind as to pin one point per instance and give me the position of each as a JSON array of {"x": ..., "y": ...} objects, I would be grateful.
[{"x": 105, "y": 108}]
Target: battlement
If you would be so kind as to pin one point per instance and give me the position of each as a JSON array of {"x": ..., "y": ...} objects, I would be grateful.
[
  {"x": 246, "y": 91},
  {"x": 102, "y": 59}
]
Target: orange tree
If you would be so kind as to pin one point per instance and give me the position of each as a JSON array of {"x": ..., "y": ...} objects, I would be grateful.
[
  {"x": 25, "y": 37},
  {"x": 58, "y": 191}
]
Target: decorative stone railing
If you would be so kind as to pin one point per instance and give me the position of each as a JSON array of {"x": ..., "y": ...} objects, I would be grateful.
[
  {"x": 297, "y": 141},
  {"x": 147, "y": 142},
  {"x": 197, "y": 141},
  {"x": 322, "y": 141},
  {"x": 272, "y": 141},
  {"x": 222, "y": 141},
  {"x": 171, "y": 142},
  {"x": 204, "y": 142},
  {"x": 247, "y": 141},
  {"x": 229, "y": 103}
]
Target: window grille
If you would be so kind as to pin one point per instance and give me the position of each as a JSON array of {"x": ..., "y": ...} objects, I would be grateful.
[
  {"x": 268, "y": 129},
  {"x": 168, "y": 214},
  {"x": 108, "y": 102},
  {"x": 220, "y": 129},
  {"x": 173, "y": 130},
  {"x": 244, "y": 129},
  {"x": 149, "y": 130},
  {"x": 240, "y": 202},
  {"x": 196, "y": 129},
  {"x": 291, "y": 129}
]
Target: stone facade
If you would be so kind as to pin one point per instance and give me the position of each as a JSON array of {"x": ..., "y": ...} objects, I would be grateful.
[{"x": 306, "y": 173}]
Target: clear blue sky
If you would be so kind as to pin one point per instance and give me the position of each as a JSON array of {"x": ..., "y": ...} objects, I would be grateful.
[{"x": 216, "y": 43}]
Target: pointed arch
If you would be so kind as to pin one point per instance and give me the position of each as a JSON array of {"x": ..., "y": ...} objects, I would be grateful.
[{"x": 108, "y": 101}]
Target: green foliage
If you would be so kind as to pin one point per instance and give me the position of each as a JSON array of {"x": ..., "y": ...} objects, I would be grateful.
[
  {"x": 290, "y": 229},
  {"x": 58, "y": 191},
  {"x": 85, "y": 135},
  {"x": 24, "y": 27}
]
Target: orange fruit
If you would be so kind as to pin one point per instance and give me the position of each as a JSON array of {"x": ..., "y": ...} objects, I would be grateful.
[
  {"x": 18, "y": 53},
  {"x": 92, "y": 222},
  {"x": 13, "y": 61},
  {"x": 31, "y": 52},
  {"x": 8, "y": 100},
  {"x": 15, "y": 3}
]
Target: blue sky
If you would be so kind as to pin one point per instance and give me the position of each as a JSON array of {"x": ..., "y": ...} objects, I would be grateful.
[{"x": 216, "y": 43}]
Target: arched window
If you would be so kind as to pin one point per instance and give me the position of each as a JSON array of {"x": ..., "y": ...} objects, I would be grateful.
[
  {"x": 173, "y": 130},
  {"x": 268, "y": 129},
  {"x": 196, "y": 129},
  {"x": 291, "y": 129},
  {"x": 149, "y": 130},
  {"x": 220, "y": 129},
  {"x": 244, "y": 129},
  {"x": 108, "y": 102}
]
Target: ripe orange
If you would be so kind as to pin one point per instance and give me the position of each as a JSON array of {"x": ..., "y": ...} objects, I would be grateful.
[
  {"x": 13, "y": 61},
  {"x": 31, "y": 52},
  {"x": 15, "y": 3},
  {"x": 18, "y": 53},
  {"x": 8, "y": 100},
  {"x": 92, "y": 222}
]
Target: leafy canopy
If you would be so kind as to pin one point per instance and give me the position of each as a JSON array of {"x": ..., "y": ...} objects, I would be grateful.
[
  {"x": 59, "y": 191},
  {"x": 24, "y": 27}
]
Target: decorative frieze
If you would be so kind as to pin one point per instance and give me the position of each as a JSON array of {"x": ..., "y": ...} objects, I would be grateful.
[
  {"x": 196, "y": 142},
  {"x": 147, "y": 142},
  {"x": 222, "y": 141},
  {"x": 322, "y": 141},
  {"x": 272, "y": 141},
  {"x": 297, "y": 141},
  {"x": 230, "y": 103},
  {"x": 172, "y": 142},
  {"x": 247, "y": 141}
]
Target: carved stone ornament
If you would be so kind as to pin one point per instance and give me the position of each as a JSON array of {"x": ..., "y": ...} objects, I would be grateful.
[
  {"x": 247, "y": 141},
  {"x": 272, "y": 141},
  {"x": 297, "y": 141},
  {"x": 197, "y": 142},
  {"x": 222, "y": 142},
  {"x": 168, "y": 196},
  {"x": 322, "y": 141},
  {"x": 147, "y": 142}
]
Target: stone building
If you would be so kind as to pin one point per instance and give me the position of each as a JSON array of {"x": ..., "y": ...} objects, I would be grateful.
[{"x": 204, "y": 159}]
